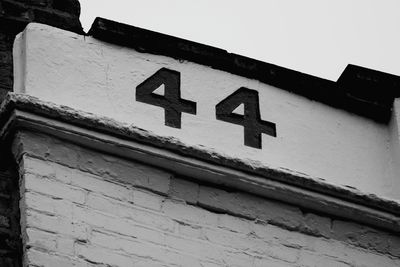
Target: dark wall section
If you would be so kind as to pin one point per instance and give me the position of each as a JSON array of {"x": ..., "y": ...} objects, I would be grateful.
[{"x": 10, "y": 241}]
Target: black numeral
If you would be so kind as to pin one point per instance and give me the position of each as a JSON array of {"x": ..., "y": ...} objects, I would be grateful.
[
  {"x": 251, "y": 120},
  {"x": 171, "y": 101}
]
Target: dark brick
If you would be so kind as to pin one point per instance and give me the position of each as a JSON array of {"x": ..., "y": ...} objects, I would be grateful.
[
  {"x": 16, "y": 9},
  {"x": 7, "y": 262},
  {"x": 58, "y": 19},
  {"x": 5, "y": 79},
  {"x": 10, "y": 242},
  {"x": 3, "y": 92},
  {"x": 4, "y": 183},
  {"x": 41, "y": 3},
  {"x": 70, "y": 6},
  {"x": 5, "y": 57},
  {"x": 6, "y": 41},
  {"x": 4, "y": 221},
  {"x": 6, "y": 242}
]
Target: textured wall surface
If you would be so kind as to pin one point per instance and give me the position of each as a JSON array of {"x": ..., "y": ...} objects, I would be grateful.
[
  {"x": 79, "y": 207},
  {"x": 14, "y": 16},
  {"x": 313, "y": 139},
  {"x": 82, "y": 208}
]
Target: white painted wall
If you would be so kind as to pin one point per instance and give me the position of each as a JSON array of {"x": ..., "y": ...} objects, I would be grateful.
[
  {"x": 312, "y": 138},
  {"x": 392, "y": 185},
  {"x": 82, "y": 208}
]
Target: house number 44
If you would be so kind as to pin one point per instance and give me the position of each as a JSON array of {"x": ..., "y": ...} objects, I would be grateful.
[{"x": 174, "y": 106}]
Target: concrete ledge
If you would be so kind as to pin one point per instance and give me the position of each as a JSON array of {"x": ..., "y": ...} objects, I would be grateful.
[
  {"x": 374, "y": 100},
  {"x": 102, "y": 134}
]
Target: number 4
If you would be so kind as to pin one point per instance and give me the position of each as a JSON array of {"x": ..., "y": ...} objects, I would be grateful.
[
  {"x": 251, "y": 120},
  {"x": 171, "y": 101}
]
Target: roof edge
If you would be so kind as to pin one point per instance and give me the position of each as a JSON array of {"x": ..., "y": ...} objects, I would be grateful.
[{"x": 359, "y": 90}]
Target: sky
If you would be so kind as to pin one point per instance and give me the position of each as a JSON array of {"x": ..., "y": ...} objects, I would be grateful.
[{"x": 318, "y": 37}]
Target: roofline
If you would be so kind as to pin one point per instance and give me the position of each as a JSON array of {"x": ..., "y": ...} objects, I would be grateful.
[{"x": 359, "y": 90}]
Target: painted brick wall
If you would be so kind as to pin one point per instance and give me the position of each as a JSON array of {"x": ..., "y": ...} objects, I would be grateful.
[
  {"x": 83, "y": 208},
  {"x": 14, "y": 16}
]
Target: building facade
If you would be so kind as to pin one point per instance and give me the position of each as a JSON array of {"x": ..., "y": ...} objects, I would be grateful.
[{"x": 126, "y": 147}]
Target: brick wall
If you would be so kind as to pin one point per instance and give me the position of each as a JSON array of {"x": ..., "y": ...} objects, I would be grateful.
[
  {"x": 83, "y": 208},
  {"x": 10, "y": 244},
  {"x": 16, "y": 14}
]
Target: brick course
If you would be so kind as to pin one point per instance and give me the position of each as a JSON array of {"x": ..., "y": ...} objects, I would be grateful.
[{"x": 89, "y": 209}]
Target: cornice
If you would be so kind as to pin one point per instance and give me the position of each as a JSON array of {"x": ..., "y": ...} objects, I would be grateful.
[
  {"x": 25, "y": 113},
  {"x": 359, "y": 90}
]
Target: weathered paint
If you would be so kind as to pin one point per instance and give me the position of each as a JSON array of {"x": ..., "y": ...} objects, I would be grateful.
[
  {"x": 85, "y": 208},
  {"x": 392, "y": 185},
  {"x": 312, "y": 138}
]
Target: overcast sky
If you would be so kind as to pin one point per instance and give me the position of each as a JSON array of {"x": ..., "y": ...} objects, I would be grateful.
[{"x": 319, "y": 37}]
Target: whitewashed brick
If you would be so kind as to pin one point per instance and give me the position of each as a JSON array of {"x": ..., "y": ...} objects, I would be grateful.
[
  {"x": 109, "y": 167},
  {"x": 152, "y": 219},
  {"x": 209, "y": 264},
  {"x": 66, "y": 245},
  {"x": 229, "y": 239},
  {"x": 47, "y": 204},
  {"x": 147, "y": 200},
  {"x": 49, "y": 241},
  {"x": 55, "y": 224},
  {"x": 127, "y": 245},
  {"x": 53, "y": 188},
  {"x": 35, "y": 166},
  {"x": 283, "y": 253},
  {"x": 181, "y": 211},
  {"x": 95, "y": 184},
  {"x": 315, "y": 260},
  {"x": 184, "y": 190},
  {"x": 268, "y": 262},
  {"x": 190, "y": 230},
  {"x": 78, "y": 179},
  {"x": 102, "y": 256},
  {"x": 131, "y": 212},
  {"x": 41, "y": 239},
  {"x": 45, "y": 259},
  {"x": 199, "y": 248},
  {"x": 238, "y": 259},
  {"x": 87, "y": 217},
  {"x": 140, "y": 249},
  {"x": 250, "y": 206},
  {"x": 278, "y": 235},
  {"x": 148, "y": 263},
  {"x": 234, "y": 224}
]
